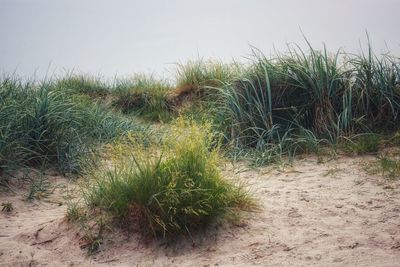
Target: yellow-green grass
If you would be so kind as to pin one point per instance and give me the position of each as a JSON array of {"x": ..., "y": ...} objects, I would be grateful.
[{"x": 174, "y": 188}]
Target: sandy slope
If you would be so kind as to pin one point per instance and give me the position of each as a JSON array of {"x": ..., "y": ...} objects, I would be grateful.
[{"x": 330, "y": 214}]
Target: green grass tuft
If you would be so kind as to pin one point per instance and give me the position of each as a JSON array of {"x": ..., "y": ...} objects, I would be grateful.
[
  {"x": 143, "y": 95},
  {"x": 362, "y": 143},
  {"x": 295, "y": 101},
  {"x": 390, "y": 167},
  {"x": 43, "y": 125},
  {"x": 386, "y": 165},
  {"x": 7, "y": 206},
  {"x": 202, "y": 75},
  {"x": 174, "y": 189},
  {"x": 84, "y": 84}
]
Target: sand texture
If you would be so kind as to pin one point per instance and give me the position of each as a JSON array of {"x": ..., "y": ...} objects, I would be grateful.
[{"x": 318, "y": 214}]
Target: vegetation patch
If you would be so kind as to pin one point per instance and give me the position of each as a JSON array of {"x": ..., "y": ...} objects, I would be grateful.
[
  {"x": 7, "y": 206},
  {"x": 43, "y": 125},
  {"x": 303, "y": 98},
  {"x": 390, "y": 167},
  {"x": 144, "y": 96},
  {"x": 175, "y": 188},
  {"x": 361, "y": 144},
  {"x": 84, "y": 84},
  {"x": 387, "y": 166},
  {"x": 198, "y": 79}
]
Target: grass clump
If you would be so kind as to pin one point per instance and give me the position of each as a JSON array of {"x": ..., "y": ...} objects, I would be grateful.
[
  {"x": 386, "y": 165},
  {"x": 395, "y": 139},
  {"x": 143, "y": 95},
  {"x": 197, "y": 78},
  {"x": 7, "y": 206},
  {"x": 173, "y": 189},
  {"x": 40, "y": 188},
  {"x": 390, "y": 167},
  {"x": 84, "y": 84},
  {"x": 302, "y": 98},
  {"x": 206, "y": 73},
  {"x": 41, "y": 125},
  {"x": 362, "y": 143}
]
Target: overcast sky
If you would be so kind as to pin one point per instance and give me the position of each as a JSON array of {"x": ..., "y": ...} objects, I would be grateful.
[{"x": 121, "y": 37}]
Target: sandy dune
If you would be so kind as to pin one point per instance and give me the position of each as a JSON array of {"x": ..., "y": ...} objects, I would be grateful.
[{"x": 330, "y": 214}]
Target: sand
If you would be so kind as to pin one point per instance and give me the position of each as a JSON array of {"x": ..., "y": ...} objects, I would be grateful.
[{"x": 321, "y": 214}]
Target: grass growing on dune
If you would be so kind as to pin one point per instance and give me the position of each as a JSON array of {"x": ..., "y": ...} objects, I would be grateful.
[
  {"x": 266, "y": 108},
  {"x": 41, "y": 125},
  {"x": 362, "y": 143},
  {"x": 84, "y": 84},
  {"x": 390, "y": 167},
  {"x": 175, "y": 188},
  {"x": 386, "y": 164},
  {"x": 140, "y": 94},
  {"x": 199, "y": 75},
  {"x": 303, "y": 97},
  {"x": 376, "y": 90},
  {"x": 143, "y": 95}
]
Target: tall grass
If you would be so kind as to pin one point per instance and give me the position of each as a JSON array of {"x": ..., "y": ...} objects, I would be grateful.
[
  {"x": 84, "y": 84},
  {"x": 139, "y": 94},
  {"x": 310, "y": 96},
  {"x": 200, "y": 75},
  {"x": 278, "y": 105},
  {"x": 376, "y": 87},
  {"x": 175, "y": 188},
  {"x": 43, "y": 125},
  {"x": 143, "y": 95}
]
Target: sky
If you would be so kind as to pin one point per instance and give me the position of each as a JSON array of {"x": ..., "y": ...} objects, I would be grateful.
[{"x": 117, "y": 37}]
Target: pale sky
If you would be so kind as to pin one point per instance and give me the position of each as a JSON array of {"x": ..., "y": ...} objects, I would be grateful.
[{"x": 121, "y": 37}]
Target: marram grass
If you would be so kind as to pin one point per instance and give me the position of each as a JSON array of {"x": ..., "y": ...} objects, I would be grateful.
[
  {"x": 312, "y": 95},
  {"x": 175, "y": 188},
  {"x": 42, "y": 125},
  {"x": 142, "y": 95}
]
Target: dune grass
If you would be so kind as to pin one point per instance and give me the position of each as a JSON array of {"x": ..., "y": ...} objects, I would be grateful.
[
  {"x": 387, "y": 164},
  {"x": 41, "y": 124},
  {"x": 303, "y": 97},
  {"x": 201, "y": 75},
  {"x": 84, "y": 84},
  {"x": 279, "y": 105},
  {"x": 265, "y": 110},
  {"x": 176, "y": 188},
  {"x": 362, "y": 143},
  {"x": 143, "y": 95},
  {"x": 389, "y": 167},
  {"x": 139, "y": 94}
]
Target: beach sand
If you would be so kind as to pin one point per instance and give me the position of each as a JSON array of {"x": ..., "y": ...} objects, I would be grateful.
[{"x": 311, "y": 213}]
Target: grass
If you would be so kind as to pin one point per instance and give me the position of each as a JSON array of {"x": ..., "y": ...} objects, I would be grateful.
[
  {"x": 277, "y": 106},
  {"x": 386, "y": 165},
  {"x": 206, "y": 72},
  {"x": 41, "y": 124},
  {"x": 7, "y": 207},
  {"x": 143, "y": 95},
  {"x": 362, "y": 144},
  {"x": 376, "y": 89},
  {"x": 74, "y": 211},
  {"x": 40, "y": 188},
  {"x": 140, "y": 94},
  {"x": 266, "y": 110},
  {"x": 199, "y": 76},
  {"x": 84, "y": 84},
  {"x": 175, "y": 189},
  {"x": 308, "y": 97},
  {"x": 395, "y": 139},
  {"x": 390, "y": 167}
]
